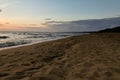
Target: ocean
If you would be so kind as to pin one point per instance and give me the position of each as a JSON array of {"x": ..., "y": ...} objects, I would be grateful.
[{"x": 8, "y": 39}]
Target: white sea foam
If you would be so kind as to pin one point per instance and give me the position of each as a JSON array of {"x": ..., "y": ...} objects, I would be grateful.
[{"x": 22, "y": 38}]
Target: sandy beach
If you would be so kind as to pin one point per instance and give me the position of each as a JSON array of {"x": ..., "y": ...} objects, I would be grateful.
[{"x": 94, "y": 56}]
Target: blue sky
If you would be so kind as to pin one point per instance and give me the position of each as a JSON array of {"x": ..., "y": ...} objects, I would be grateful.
[{"x": 35, "y": 11}]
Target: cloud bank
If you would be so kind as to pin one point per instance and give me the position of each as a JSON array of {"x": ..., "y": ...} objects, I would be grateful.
[
  {"x": 87, "y": 25},
  {"x": 78, "y": 25}
]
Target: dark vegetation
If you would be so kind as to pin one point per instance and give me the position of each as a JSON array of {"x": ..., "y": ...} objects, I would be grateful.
[{"x": 111, "y": 30}]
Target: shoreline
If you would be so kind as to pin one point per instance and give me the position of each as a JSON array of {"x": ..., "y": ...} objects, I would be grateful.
[{"x": 28, "y": 44}]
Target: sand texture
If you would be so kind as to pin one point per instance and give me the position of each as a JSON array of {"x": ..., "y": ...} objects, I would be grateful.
[{"x": 93, "y": 56}]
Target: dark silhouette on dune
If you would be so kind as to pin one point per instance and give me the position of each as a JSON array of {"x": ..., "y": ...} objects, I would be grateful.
[{"x": 115, "y": 30}]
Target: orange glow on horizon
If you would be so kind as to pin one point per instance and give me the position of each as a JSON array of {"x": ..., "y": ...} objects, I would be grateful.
[{"x": 17, "y": 25}]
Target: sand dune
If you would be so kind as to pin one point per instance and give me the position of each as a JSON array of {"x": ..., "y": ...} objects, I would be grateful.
[{"x": 85, "y": 57}]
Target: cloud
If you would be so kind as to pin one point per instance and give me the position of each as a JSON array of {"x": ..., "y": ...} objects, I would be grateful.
[
  {"x": 48, "y": 19},
  {"x": 84, "y": 25},
  {"x": 32, "y": 24},
  {"x": 42, "y": 29},
  {"x": 7, "y": 23},
  {"x": 33, "y": 27},
  {"x": 1, "y": 25},
  {"x": 77, "y": 26},
  {"x": 4, "y": 24},
  {"x": 52, "y": 22},
  {"x": 5, "y": 5}
]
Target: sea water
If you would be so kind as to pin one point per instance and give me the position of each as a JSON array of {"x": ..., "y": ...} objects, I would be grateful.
[{"x": 8, "y": 39}]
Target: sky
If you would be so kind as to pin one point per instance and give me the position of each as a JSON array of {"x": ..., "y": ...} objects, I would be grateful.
[{"x": 28, "y": 14}]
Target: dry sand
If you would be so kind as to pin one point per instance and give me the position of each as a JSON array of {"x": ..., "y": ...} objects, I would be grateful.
[{"x": 85, "y": 57}]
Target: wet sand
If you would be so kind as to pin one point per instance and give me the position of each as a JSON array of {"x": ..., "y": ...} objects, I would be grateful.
[{"x": 85, "y": 57}]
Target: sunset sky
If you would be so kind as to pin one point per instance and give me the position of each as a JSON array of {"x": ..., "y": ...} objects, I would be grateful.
[{"x": 29, "y": 14}]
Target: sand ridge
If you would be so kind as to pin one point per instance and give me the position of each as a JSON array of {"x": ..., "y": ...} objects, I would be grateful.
[{"x": 86, "y": 57}]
